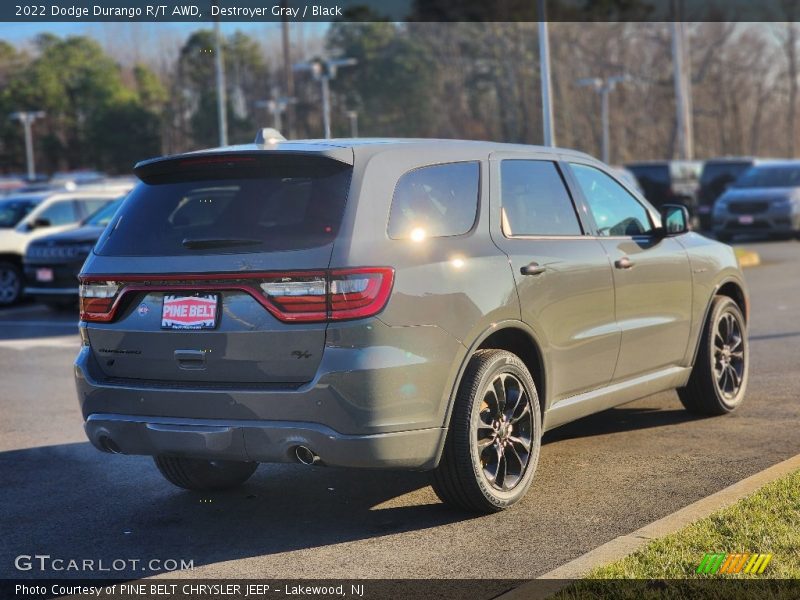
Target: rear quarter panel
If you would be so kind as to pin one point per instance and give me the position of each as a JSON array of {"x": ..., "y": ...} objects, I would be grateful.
[{"x": 460, "y": 284}]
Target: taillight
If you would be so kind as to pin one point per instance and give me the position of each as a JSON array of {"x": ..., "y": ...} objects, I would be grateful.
[
  {"x": 318, "y": 296},
  {"x": 97, "y": 300},
  {"x": 340, "y": 294}
]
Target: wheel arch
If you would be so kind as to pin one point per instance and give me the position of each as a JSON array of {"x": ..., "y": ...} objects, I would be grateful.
[
  {"x": 513, "y": 336},
  {"x": 11, "y": 257},
  {"x": 733, "y": 289}
]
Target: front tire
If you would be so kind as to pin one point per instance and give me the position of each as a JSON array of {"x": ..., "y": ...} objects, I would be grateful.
[
  {"x": 10, "y": 283},
  {"x": 492, "y": 446},
  {"x": 718, "y": 381},
  {"x": 204, "y": 475}
]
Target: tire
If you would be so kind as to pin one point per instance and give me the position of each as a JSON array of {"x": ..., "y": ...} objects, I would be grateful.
[
  {"x": 463, "y": 478},
  {"x": 11, "y": 283},
  {"x": 718, "y": 382},
  {"x": 204, "y": 475}
]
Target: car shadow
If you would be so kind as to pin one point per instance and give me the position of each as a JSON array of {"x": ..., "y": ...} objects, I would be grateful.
[
  {"x": 618, "y": 420},
  {"x": 71, "y": 501}
]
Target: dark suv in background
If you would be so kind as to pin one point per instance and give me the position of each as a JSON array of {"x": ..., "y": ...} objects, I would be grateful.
[
  {"x": 398, "y": 304},
  {"x": 669, "y": 182},
  {"x": 717, "y": 175}
]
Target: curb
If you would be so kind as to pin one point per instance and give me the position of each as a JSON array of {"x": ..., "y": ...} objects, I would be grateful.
[
  {"x": 624, "y": 545},
  {"x": 747, "y": 258}
]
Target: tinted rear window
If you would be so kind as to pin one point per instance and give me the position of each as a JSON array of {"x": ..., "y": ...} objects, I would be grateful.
[
  {"x": 437, "y": 201},
  {"x": 258, "y": 205},
  {"x": 535, "y": 200},
  {"x": 722, "y": 172},
  {"x": 657, "y": 174}
]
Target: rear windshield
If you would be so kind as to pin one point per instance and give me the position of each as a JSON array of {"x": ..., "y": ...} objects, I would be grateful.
[
  {"x": 761, "y": 177},
  {"x": 722, "y": 172},
  {"x": 658, "y": 174},
  {"x": 257, "y": 205}
]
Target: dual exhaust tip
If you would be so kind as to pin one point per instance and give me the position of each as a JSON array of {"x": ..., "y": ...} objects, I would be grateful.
[{"x": 306, "y": 456}]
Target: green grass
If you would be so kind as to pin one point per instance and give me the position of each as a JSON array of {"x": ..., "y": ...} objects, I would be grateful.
[{"x": 768, "y": 521}]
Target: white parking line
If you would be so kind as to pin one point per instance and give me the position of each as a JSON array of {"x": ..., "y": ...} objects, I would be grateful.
[
  {"x": 39, "y": 323},
  {"x": 42, "y": 342}
]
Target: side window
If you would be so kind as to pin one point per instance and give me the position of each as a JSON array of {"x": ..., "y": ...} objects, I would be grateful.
[
  {"x": 535, "y": 200},
  {"x": 435, "y": 201},
  {"x": 615, "y": 211},
  {"x": 92, "y": 205},
  {"x": 60, "y": 213}
]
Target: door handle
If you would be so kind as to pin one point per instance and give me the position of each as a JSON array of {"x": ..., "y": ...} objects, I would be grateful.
[
  {"x": 623, "y": 263},
  {"x": 533, "y": 268},
  {"x": 190, "y": 360}
]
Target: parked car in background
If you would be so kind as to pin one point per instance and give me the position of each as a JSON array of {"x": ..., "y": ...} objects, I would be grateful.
[
  {"x": 55, "y": 212},
  {"x": 14, "y": 208},
  {"x": 9, "y": 185},
  {"x": 716, "y": 176},
  {"x": 397, "y": 304},
  {"x": 765, "y": 199},
  {"x": 669, "y": 182},
  {"x": 52, "y": 263}
]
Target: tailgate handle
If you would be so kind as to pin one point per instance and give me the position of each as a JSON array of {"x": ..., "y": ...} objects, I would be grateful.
[{"x": 191, "y": 359}]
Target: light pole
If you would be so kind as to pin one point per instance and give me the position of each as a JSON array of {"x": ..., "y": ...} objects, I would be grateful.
[
  {"x": 27, "y": 118},
  {"x": 604, "y": 87},
  {"x": 276, "y": 106},
  {"x": 548, "y": 131},
  {"x": 222, "y": 103},
  {"x": 353, "y": 116},
  {"x": 323, "y": 70}
]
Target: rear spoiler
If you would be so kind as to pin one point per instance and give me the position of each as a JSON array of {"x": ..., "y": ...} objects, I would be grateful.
[{"x": 230, "y": 164}]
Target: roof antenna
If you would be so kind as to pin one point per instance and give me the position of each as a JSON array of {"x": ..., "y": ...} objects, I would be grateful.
[{"x": 269, "y": 136}]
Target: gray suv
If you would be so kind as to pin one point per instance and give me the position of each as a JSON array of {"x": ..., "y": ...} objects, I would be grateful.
[
  {"x": 399, "y": 304},
  {"x": 764, "y": 200}
]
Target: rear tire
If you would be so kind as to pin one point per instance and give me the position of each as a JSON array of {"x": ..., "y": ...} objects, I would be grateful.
[
  {"x": 204, "y": 475},
  {"x": 718, "y": 381},
  {"x": 492, "y": 446},
  {"x": 10, "y": 283}
]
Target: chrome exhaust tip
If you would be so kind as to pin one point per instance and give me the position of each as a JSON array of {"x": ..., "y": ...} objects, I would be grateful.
[
  {"x": 305, "y": 455},
  {"x": 109, "y": 445}
]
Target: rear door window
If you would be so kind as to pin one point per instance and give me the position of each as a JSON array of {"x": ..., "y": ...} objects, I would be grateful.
[
  {"x": 535, "y": 200},
  {"x": 270, "y": 204},
  {"x": 435, "y": 201}
]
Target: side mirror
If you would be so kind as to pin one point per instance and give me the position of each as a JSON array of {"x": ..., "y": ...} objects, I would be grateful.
[
  {"x": 674, "y": 219},
  {"x": 40, "y": 222}
]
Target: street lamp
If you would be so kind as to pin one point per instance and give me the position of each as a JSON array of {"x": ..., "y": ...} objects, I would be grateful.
[
  {"x": 276, "y": 106},
  {"x": 353, "y": 116},
  {"x": 27, "y": 118},
  {"x": 604, "y": 87},
  {"x": 323, "y": 70}
]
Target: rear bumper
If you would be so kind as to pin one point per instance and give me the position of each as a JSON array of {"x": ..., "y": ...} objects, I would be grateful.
[
  {"x": 262, "y": 441},
  {"x": 379, "y": 399}
]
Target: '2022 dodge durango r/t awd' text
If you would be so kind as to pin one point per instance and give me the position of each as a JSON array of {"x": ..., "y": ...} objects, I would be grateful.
[{"x": 402, "y": 304}]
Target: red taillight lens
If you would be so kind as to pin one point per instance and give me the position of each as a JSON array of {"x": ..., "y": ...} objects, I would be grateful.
[
  {"x": 358, "y": 293},
  {"x": 319, "y": 296},
  {"x": 339, "y": 294},
  {"x": 97, "y": 300}
]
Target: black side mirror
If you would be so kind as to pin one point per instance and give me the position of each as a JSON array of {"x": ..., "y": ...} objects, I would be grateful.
[
  {"x": 674, "y": 219},
  {"x": 40, "y": 222}
]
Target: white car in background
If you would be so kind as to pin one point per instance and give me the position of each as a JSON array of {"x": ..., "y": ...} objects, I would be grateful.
[{"x": 56, "y": 212}]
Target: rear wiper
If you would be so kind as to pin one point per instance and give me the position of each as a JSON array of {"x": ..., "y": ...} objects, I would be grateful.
[{"x": 201, "y": 243}]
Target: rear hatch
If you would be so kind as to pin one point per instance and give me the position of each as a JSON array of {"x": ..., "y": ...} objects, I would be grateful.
[{"x": 210, "y": 272}]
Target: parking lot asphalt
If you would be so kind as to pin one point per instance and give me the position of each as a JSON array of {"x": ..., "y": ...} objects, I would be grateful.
[{"x": 598, "y": 478}]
